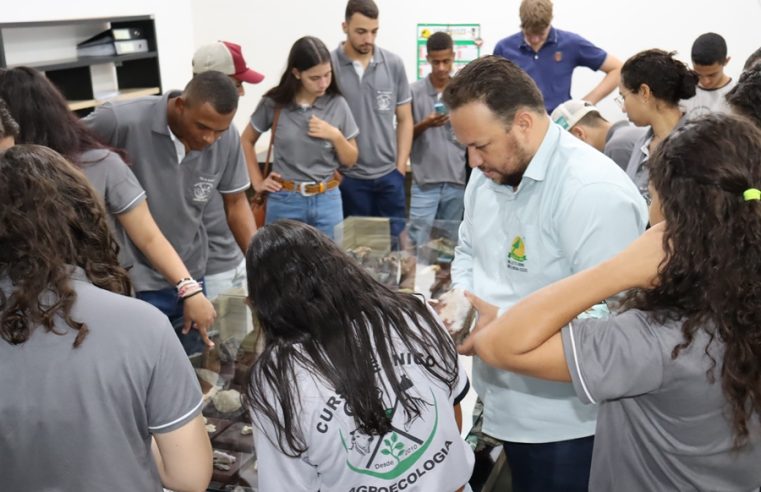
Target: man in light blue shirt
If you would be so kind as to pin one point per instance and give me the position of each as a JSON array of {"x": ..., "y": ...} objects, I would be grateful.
[{"x": 541, "y": 206}]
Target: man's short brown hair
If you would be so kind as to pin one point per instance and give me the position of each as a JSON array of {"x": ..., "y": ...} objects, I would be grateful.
[
  {"x": 368, "y": 8},
  {"x": 536, "y": 15}
]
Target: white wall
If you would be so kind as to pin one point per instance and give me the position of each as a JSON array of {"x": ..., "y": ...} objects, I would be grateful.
[
  {"x": 174, "y": 25},
  {"x": 266, "y": 29}
]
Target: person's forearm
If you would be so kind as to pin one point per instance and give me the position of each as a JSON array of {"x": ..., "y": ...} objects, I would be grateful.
[
  {"x": 419, "y": 128},
  {"x": 248, "y": 140},
  {"x": 605, "y": 87},
  {"x": 146, "y": 235},
  {"x": 403, "y": 143},
  {"x": 240, "y": 219},
  {"x": 535, "y": 319},
  {"x": 346, "y": 150}
]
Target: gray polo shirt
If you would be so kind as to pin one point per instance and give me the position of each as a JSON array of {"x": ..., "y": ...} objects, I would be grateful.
[
  {"x": 660, "y": 424},
  {"x": 178, "y": 192},
  {"x": 297, "y": 156},
  {"x": 436, "y": 156},
  {"x": 224, "y": 252},
  {"x": 620, "y": 140},
  {"x": 373, "y": 101},
  {"x": 82, "y": 418},
  {"x": 117, "y": 185}
]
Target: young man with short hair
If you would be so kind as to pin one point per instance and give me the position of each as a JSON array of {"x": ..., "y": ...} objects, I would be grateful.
[
  {"x": 374, "y": 83},
  {"x": 226, "y": 266},
  {"x": 540, "y": 206},
  {"x": 709, "y": 57},
  {"x": 438, "y": 161},
  {"x": 550, "y": 56},
  {"x": 584, "y": 121},
  {"x": 182, "y": 148}
]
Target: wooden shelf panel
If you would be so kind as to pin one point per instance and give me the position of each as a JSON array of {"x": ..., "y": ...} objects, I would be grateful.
[
  {"x": 121, "y": 95},
  {"x": 89, "y": 60}
]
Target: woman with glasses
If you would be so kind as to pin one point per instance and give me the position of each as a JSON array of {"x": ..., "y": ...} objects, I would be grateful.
[
  {"x": 652, "y": 84},
  {"x": 315, "y": 135}
]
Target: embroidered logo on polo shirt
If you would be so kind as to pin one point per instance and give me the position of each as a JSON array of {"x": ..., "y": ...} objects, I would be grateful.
[
  {"x": 383, "y": 100},
  {"x": 516, "y": 258},
  {"x": 202, "y": 190},
  {"x": 558, "y": 56}
]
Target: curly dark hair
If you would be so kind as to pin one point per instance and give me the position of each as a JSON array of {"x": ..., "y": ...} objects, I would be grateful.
[
  {"x": 745, "y": 97},
  {"x": 50, "y": 221},
  {"x": 669, "y": 79},
  {"x": 322, "y": 311},
  {"x": 711, "y": 278}
]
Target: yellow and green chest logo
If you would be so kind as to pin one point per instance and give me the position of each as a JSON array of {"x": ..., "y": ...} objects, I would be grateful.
[{"x": 517, "y": 250}]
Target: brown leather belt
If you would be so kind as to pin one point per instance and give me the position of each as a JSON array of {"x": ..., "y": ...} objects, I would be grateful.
[{"x": 309, "y": 188}]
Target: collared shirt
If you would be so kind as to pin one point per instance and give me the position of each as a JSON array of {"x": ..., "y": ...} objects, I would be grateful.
[
  {"x": 661, "y": 424},
  {"x": 297, "y": 156},
  {"x": 373, "y": 100},
  {"x": 552, "y": 66},
  {"x": 573, "y": 209},
  {"x": 620, "y": 142},
  {"x": 177, "y": 192},
  {"x": 67, "y": 409},
  {"x": 436, "y": 155},
  {"x": 637, "y": 166},
  {"x": 119, "y": 189}
]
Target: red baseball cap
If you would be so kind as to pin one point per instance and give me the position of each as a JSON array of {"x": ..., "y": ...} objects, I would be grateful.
[{"x": 227, "y": 58}]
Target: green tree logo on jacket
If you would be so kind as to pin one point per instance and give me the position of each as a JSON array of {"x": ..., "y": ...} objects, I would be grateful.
[{"x": 518, "y": 251}]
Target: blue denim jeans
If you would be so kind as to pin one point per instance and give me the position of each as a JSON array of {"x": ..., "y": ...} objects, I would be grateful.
[
  {"x": 380, "y": 197},
  {"x": 167, "y": 301},
  {"x": 323, "y": 211},
  {"x": 440, "y": 201},
  {"x": 543, "y": 467}
]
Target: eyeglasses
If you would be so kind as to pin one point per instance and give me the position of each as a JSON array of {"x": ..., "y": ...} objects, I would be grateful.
[{"x": 621, "y": 99}]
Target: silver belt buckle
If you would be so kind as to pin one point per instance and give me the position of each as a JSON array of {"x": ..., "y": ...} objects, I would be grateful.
[{"x": 303, "y": 188}]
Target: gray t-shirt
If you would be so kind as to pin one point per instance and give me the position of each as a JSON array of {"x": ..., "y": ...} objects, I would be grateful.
[
  {"x": 661, "y": 425},
  {"x": 436, "y": 156},
  {"x": 373, "y": 101},
  {"x": 620, "y": 140},
  {"x": 178, "y": 192},
  {"x": 82, "y": 418},
  {"x": 297, "y": 156},
  {"x": 707, "y": 101},
  {"x": 637, "y": 168}
]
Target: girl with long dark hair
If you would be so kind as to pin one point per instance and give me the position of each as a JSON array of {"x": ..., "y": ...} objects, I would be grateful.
[
  {"x": 314, "y": 136},
  {"x": 44, "y": 119},
  {"x": 652, "y": 84},
  {"x": 358, "y": 386},
  {"x": 676, "y": 372}
]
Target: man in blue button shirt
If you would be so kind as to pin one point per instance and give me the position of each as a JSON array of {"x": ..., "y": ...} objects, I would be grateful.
[{"x": 550, "y": 56}]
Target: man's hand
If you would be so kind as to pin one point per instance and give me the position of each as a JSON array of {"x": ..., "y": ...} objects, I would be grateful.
[
  {"x": 322, "y": 129},
  {"x": 199, "y": 314},
  {"x": 486, "y": 314},
  {"x": 436, "y": 119}
]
